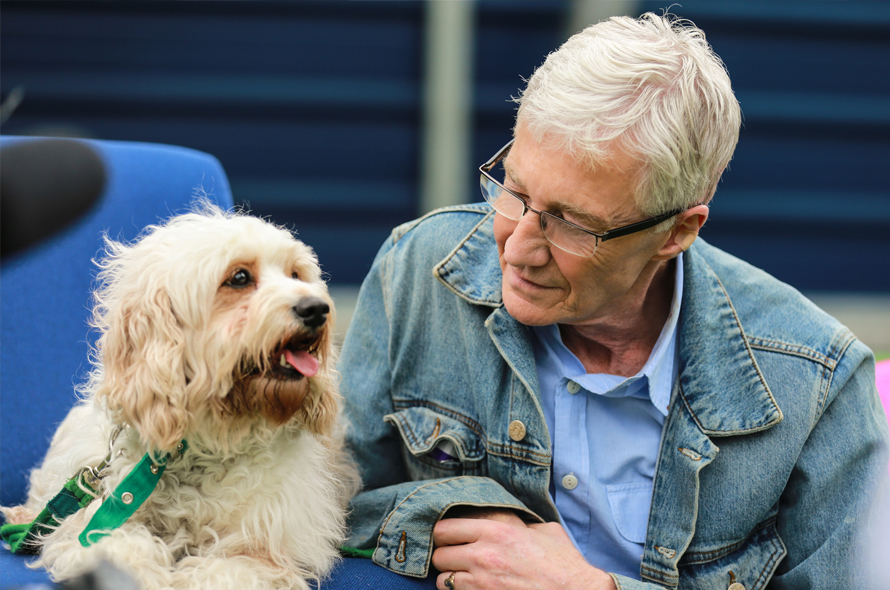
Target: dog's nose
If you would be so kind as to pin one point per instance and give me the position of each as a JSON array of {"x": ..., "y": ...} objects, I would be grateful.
[{"x": 313, "y": 311}]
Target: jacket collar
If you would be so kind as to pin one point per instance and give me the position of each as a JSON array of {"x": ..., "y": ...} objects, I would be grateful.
[
  {"x": 472, "y": 270},
  {"x": 720, "y": 382}
]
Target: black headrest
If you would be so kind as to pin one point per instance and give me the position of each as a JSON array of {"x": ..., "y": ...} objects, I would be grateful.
[{"x": 45, "y": 185}]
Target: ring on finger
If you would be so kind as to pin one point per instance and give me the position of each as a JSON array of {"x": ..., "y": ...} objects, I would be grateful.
[{"x": 449, "y": 583}]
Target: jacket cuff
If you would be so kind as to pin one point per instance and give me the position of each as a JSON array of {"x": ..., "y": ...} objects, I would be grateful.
[
  {"x": 625, "y": 583},
  {"x": 405, "y": 545}
]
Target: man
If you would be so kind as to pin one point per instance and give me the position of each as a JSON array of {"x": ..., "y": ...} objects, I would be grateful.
[{"x": 564, "y": 388}]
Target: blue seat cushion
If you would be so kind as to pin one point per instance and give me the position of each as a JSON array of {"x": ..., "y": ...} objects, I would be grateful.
[
  {"x": 16, "y": 574},
  {"x": 350, "y": 574}
]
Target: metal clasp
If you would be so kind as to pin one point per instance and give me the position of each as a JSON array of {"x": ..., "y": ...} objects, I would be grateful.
[{"x": 93, "y": 476}]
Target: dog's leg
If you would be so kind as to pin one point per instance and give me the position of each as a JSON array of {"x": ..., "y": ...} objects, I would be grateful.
[
  {"x": 235, "y": 573},
  {"x": 132, "y": 548}
]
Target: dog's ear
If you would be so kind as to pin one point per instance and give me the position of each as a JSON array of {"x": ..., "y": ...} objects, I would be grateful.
[{"x": 144, "y": 382}]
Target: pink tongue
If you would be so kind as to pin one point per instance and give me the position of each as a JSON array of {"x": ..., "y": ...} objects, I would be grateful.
[{"x": 302, "y": 361}]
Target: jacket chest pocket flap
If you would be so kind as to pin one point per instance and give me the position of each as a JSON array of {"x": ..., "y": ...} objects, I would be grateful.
[{"x": 437, "y": 444}]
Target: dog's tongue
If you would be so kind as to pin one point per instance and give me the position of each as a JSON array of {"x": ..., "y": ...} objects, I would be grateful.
[{"x": 302, "y": 361}]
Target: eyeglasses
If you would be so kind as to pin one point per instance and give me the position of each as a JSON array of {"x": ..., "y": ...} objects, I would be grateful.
[{"x": 563, "y": 234}]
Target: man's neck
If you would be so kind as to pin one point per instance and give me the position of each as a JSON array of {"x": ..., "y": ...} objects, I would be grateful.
[{"x": 622, "y": 343}]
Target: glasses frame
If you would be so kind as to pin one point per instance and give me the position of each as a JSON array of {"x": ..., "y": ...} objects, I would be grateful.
[{"x": 485, "y": 170}]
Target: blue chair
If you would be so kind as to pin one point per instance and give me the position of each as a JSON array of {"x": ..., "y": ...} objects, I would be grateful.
[
  {"x": 45, "y": 304},
  {"x": 45, "y": 298}
]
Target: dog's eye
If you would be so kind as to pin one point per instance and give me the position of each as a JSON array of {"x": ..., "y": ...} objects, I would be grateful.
[
  {"x": 240, "y": 278},
  {"x": 295, "y": 275}
]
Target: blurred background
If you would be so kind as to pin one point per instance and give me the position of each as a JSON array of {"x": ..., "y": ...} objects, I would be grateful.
[{"x": 342, "y": 119}]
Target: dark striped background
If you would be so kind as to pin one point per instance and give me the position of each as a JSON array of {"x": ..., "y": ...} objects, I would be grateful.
[{"x": 313, "y": 109}]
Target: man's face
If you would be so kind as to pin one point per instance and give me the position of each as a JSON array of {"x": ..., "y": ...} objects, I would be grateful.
[{"x": 543, "y": 284}]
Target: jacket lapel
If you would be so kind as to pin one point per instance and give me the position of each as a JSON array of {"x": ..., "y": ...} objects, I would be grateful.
[{"x": 720, "y": 392}]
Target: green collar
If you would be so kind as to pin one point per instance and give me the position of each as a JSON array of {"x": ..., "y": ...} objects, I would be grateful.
[
  {"x": 80, "y": 491},
  {"x": 128, "y": 496}
]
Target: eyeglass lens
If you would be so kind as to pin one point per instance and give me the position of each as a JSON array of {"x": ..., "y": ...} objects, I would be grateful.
[{"x": 561, "y": 234}]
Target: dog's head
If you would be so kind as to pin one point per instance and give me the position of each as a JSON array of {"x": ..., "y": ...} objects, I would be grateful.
[{"x": 212, "y": 325}]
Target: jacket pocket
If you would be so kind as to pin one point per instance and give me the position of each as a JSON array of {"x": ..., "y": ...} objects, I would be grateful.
[
  {"x": 630, "y": 503},
  {"x": 751, "y": 562},
  {"x": 437, "y": 445}
]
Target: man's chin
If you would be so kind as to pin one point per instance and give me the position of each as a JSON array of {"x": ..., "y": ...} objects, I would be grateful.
[{"x": 528, "y": 312}]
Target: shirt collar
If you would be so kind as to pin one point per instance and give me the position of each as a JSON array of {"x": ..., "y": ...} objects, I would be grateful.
[{"x": 661, "y": 368}]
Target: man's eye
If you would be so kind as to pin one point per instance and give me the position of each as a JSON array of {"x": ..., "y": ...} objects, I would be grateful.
[{"x": 240, "y": 278}]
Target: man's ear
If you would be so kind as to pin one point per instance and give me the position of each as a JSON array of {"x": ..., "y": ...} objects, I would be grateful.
[{"x": 684, "y": 232}]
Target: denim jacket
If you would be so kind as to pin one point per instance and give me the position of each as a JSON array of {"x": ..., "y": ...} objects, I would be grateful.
[{"x": 773, "y": 449}]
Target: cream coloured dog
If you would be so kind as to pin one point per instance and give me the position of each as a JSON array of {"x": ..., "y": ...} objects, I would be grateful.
[{"x": 216, "y": 329}]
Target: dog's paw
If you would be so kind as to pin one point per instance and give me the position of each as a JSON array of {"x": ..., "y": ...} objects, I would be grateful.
[{"x": 18, "y": 515}]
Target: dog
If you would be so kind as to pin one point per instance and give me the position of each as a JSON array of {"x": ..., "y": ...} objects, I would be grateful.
[{"x": 214, "y": 360}]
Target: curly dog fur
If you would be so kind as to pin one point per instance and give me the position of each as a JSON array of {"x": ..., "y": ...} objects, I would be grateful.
[{"x": 215, "y": 328}]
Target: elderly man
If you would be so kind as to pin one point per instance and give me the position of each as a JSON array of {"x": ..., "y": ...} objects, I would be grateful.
[{"x": 562, "y": 387}]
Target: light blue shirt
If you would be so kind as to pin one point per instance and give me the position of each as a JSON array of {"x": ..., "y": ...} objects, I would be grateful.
[{"x": 605, "y": 431}]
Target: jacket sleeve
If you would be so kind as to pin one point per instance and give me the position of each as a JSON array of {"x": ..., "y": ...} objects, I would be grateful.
[
  {"x": 393, "y": 515},
  {"x": 838, "y": 483},
  {"x": 401, "y": 517}
]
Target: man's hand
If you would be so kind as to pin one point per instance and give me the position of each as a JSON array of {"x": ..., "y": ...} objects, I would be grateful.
[{"x": 493, "y": 548}]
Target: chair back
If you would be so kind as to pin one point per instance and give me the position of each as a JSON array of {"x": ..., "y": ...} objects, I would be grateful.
[{"x": 45, "y": 289}]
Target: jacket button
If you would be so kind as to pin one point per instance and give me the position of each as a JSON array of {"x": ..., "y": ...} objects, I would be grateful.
[
  {"x": 573, "y": 387},
  {"x": 517, "y": 430},
  {"x": 736, "y": 586},
  {"x": 570, "y": 482}
]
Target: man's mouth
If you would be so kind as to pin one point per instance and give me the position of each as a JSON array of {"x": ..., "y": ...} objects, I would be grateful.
[{"x": 517, "y": 281}]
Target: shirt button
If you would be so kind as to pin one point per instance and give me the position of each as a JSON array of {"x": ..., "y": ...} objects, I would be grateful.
[
  {"x": 517, "y": 430},
  {"x": 570, "y": 482},
  {"x": 573, "y": 387}
]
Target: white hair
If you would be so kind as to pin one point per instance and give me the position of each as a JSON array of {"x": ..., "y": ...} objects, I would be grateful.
[{"x": 650, "y": 87}]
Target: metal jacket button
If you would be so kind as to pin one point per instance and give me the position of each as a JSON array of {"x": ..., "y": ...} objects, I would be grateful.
[
  {"x": 517, "y": 430},
  {"x": 736, "y": 586}
]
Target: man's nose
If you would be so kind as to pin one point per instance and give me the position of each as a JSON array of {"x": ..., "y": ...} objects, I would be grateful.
[{"x": 527, "y": 245}]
